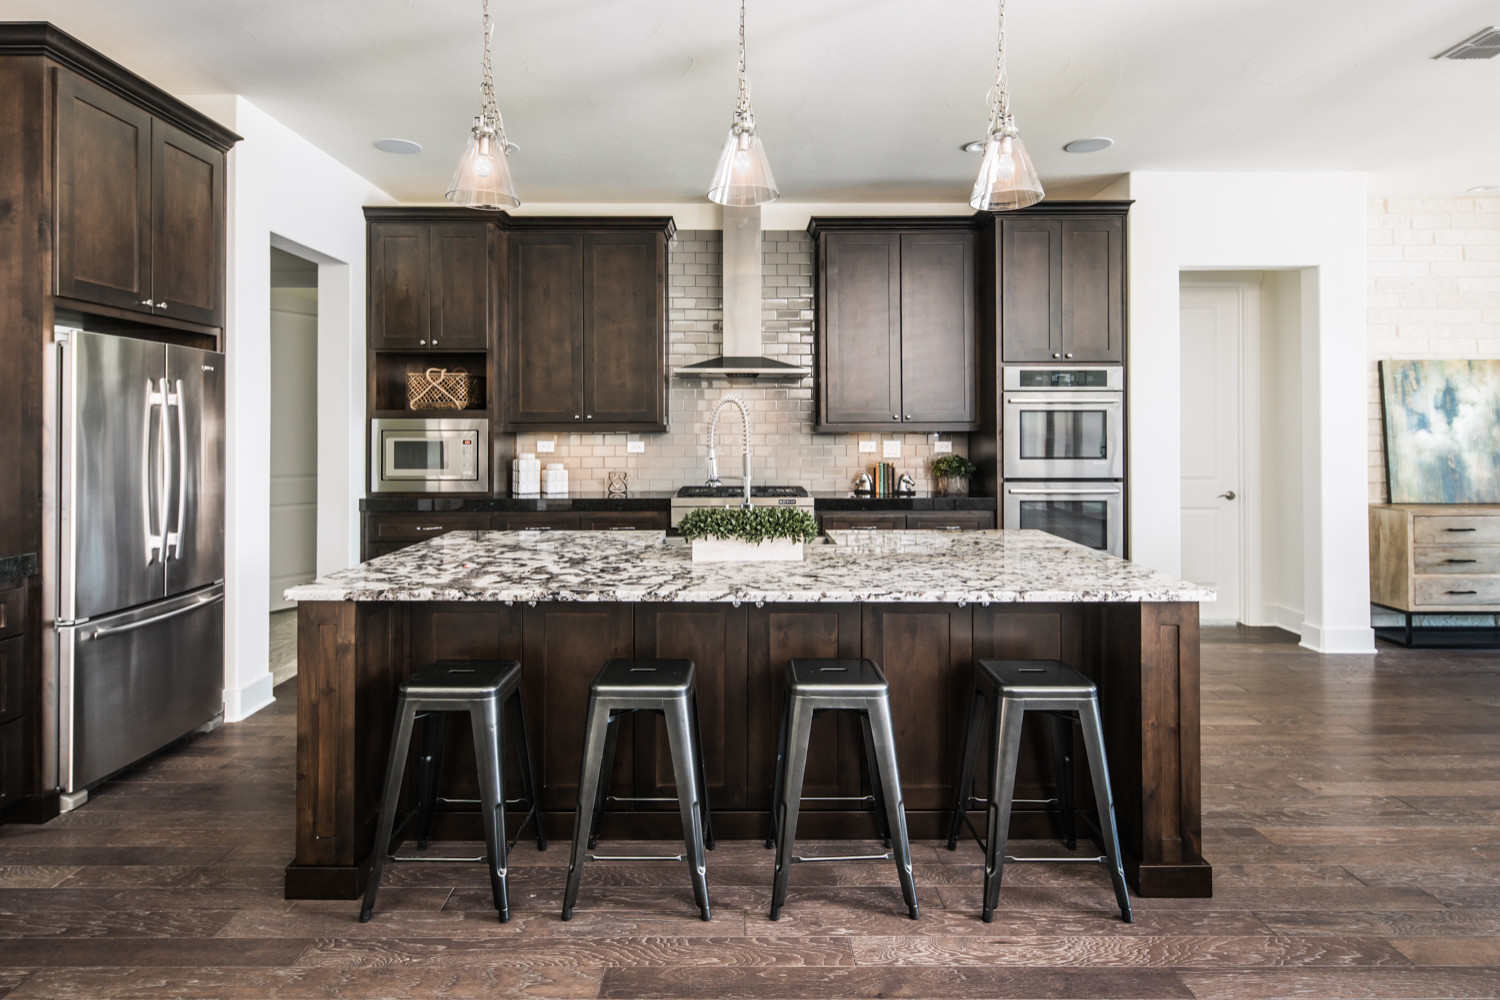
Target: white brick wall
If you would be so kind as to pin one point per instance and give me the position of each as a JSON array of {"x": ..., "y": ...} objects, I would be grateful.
[
  {"x": 1434, "y": 292},
  {"x": 783, "y": 445}
]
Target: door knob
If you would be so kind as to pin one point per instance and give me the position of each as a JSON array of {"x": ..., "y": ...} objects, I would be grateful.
[{"x": 1227, "y": 495}]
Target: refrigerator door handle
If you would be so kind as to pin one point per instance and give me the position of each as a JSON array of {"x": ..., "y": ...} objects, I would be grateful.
[
  {"x": 174, "y": 537},
  {"x": 168, "y": 465},
  {"x": 148, "y": 512},
  {"x": 100, "y": 633}
]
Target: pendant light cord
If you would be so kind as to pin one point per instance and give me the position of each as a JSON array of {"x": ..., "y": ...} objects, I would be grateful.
[
  {"x": 744, "y": 119},
  {"x": 489, "y": 108},
  {"x": 1000, "y": 96}
]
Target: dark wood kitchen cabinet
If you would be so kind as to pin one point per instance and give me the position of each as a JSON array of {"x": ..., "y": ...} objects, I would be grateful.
[
  {"x": 431, "y": 285},
  {"x": 140, "y": 208},
  {"x": 1062, "y": 288},
  {"x": 387, "y": 533},
  {"x": 926, "y": 520},
  {"x": 897, "y": 346},
  {"x": 587, "y": 326}
]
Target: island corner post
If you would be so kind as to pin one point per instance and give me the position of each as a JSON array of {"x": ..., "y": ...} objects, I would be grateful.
[{"x": 1144, "y": 656}]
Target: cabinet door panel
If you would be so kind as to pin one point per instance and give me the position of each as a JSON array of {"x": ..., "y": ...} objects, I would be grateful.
[
  {"x": 1093, "y": 290},
  {"x": 534, "y": 521},
  {"x": 400, "y": 293},
  {"x": 951, "y": 520},
  {"x": 460, "y": 286},
  {"x": 546, "y": 328},
  {"x": 624, "y": 294},
  {"x": 103, "y": 196},
  {"x": 861, "y": 521},
  {"x": 187, "y": 226},
  {"x": 1031, "y": 289},
  {"x": 13, "y": 679},
  {"x": 633, "y": 520},
  {"x": 861, "y": 324},
  {"x": 939, "y": 353}
]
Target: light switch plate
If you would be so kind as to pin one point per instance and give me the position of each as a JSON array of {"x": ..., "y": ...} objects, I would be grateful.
[
  {"x": 867, "y": 446},
  {"x": 892, "y": 449},
  {"x": 635, "y": 447},
  {"x": 942, "y": 447},
  {"x": 545, "y": 447}
]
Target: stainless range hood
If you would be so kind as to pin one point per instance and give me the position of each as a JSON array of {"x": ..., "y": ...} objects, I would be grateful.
[{"x": 743, "y": 355}]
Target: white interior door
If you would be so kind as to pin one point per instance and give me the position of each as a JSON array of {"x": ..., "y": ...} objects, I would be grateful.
[
  {"x": 294, "y": 440},
  {"x": 1211, "y": 462}
]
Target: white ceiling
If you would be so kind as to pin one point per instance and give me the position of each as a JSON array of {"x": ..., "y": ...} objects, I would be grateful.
[{"x": 857, "y": 100}]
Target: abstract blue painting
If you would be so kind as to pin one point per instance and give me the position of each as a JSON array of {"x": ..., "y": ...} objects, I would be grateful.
[{"x": 1442, "y": 430}]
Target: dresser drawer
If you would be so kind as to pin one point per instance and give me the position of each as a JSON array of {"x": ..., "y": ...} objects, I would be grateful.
[
  {"x": 12, "y": 611},
  {"x": 1456, "y": 558},
  {"x": 415, "y": 528},
  {"x": 1455, "y": 590},
  {"x": 1455, "y": 529}
]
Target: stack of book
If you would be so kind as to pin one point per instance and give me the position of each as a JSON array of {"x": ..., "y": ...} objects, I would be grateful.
[{"x": 884, "y": 479}]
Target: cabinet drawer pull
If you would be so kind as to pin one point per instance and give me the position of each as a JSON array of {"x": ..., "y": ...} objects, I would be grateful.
[
  {"x": 435, "y": 527},
  {"x": 622, "y": 527},
  {"x": 1462, "y": 560},
  {"x": 1463, "y": 592},
  {"x": 1460, "y": 529}
]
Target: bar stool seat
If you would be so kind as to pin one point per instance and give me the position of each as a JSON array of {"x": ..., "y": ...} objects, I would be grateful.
[
  {"x": 621, "y": 687},
  {"x": 814, "y": 686},
  {"x": 1010, "y": 689},
  {"x": 485, "y": 689}
]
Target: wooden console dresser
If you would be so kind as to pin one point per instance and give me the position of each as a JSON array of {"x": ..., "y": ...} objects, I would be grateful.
[{"x": 1435, "y": 559}]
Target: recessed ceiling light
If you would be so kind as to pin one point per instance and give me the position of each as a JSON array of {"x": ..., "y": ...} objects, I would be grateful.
[
  {"x": 977, "y": 146},
  {"x": 1092, "y": 144},
  {"x": 402, "y": 147},
  {"x": 1483, "y": 188}
]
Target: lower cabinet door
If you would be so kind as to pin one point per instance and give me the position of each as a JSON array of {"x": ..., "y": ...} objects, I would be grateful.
[
  {"x": 951, "y": 521},
  {"x": 633, "y": 520},
  {"x": 534, "y": 521},
  {"x": 857, "y": 521}
]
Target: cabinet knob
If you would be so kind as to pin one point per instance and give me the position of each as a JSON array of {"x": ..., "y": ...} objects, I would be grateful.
[
  {"x": 424, "y": 344},
  {"x": 575, "y": 416},
  {"x": 895, "y": 416},
  {"x": 1065, "y": 355},
  {"x": 908, "y": 416},
  {"x": 1057, "y": 355},
  {"x": 148, "y": 303},
  {"x": 162, "y": 306},
  {"x": 589, "y": 417},
  {"x": 434, "y": 344}
]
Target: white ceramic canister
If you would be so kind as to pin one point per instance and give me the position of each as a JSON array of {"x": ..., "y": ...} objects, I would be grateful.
[{"x": 555, "y": 480}]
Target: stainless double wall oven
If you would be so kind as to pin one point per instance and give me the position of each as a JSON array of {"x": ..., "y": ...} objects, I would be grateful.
[{"x": 1064, "y": 452}]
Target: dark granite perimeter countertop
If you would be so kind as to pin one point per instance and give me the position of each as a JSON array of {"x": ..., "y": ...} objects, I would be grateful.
[
  {"x": 845, "y": 500},
  {"x": 14, "y": 569},
  {"x": 652, "y": 500}
]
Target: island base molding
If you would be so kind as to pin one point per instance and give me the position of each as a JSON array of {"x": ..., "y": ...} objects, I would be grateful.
[{"x": 352, "y": 657}]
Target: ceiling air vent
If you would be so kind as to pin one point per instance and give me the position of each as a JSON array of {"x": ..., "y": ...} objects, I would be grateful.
[{"x": 1485, "y": 45}]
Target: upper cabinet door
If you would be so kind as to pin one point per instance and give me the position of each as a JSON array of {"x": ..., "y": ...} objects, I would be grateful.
[
  {"x": 939, "y": 352},
  {"x": 545, "y": 330},
  {"x": 461, "y": 269},
  {"x": 400, "y": 286},
  {"x": 625, "y": 329},
  {"x": 859, "y": 353},
  {"x": 187, "y": 227},
  {"x": 1093, "y": 290},
  {"x": 103, "y": 197},
  {"x": 1031, "y": 287}
]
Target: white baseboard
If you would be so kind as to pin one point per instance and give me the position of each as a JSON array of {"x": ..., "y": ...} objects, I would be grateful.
[
  {"x": 1338, "y": 640},
  {"x": 1279, "y": 616},
  {"x": 243, "y": 702}
]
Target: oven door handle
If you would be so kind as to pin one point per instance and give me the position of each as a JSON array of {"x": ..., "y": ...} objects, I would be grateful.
[
  {"x": 1089, "y": 401},
  {"x": 1069, "y": 493}
]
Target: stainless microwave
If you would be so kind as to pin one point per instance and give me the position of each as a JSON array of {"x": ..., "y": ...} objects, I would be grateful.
[{"x": 430, "y": 455}]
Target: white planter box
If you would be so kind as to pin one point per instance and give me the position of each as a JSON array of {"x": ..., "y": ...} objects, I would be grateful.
[{"x": 733, "y": 550}]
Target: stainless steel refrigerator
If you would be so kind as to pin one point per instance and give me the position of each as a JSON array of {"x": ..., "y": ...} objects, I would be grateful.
[{"x": 139, "y": 549}]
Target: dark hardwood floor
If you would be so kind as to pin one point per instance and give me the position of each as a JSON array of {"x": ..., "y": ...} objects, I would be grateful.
[{"x": 1351, "y": 811}]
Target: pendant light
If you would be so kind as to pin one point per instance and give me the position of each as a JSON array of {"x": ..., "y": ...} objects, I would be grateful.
[
  {"x": 1006, "y": 180},
  {"x": 483, "y": 179},
  {"x": 743, "y": 177}
]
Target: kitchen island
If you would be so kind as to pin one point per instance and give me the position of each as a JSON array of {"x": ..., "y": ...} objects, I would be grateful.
[{"x": 924, "y": 605}]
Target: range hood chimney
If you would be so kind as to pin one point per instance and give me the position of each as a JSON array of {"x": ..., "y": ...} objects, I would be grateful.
[{"x": 742, "y": 353}]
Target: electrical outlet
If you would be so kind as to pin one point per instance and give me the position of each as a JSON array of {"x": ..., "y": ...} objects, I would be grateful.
[
  {"x": 545, "y": 447},
  {"x": 892, "y": 449},
  {"x": 635, "y": 447},
  {"x": 867, "y": 446},
  {"x": 942, "y": 447}
]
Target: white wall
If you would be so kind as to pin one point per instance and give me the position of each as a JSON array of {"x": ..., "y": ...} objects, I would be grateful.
[
  {"x": 284, "y": 190},
  {"x": 1313, "y": 222}
]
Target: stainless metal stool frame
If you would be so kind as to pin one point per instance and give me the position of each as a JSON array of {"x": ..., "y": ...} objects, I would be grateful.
[
  {"x": 810, "y": 690},
  {"x": 624, "y": 686},
  {"x": 1051, "y": 687},
  {"x": 494, "y": 686}
]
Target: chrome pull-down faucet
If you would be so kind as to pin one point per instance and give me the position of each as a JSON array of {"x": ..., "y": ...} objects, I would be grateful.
[{"x": 713, "y": 458}]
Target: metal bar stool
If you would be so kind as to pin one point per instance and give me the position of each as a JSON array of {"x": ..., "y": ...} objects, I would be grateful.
[
  {"x": 622, "y": 687},
  {"x": 814, "y": 686},
  {"x": 484, "y": 689},
  {"x": 1013, "y": 688}
]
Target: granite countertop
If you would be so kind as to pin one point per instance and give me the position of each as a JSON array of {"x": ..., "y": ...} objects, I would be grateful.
[
  {"x": 14, "y": 569},
  {"x": 895, "y": 567}
]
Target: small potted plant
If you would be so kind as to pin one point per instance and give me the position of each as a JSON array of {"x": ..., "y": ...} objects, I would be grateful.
[
  {"x": 748, "y": 534},
  {"x": 952, "y": 473}
]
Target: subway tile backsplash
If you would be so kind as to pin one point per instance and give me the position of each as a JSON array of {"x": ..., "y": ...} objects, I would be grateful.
[{"x": 783, "y": 446}]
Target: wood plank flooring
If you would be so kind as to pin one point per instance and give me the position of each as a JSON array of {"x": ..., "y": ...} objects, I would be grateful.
[{"x": 1351, "y": 810}]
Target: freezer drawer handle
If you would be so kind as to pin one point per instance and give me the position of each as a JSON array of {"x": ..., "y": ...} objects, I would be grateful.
[{"x": 100, "y": 633}]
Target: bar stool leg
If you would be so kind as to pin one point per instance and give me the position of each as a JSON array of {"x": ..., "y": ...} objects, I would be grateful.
[
  {"x": 685, "y": 770},
  {"x": 488, "y": 738},
  {"x": 877, "y": 789},
  {"x": 978, "y": 708},
  {"x": 434, "y": 741},
  {"x": 780, "y": 772},
  {"x": 1093, "y": 742},
  {"x": 789, "y": 802},
  {"x": 1007, "y": 749},
  {"x": 395, "y": 768},
  {"x": 529, "y": 785},
  {"x": 588, "y": 793},
  {"x": 708, "y": 826},
  {"x": 889, "y": 775},
  {"x": 1061, "y": 730},
  {"x": 606, "y": 776}
]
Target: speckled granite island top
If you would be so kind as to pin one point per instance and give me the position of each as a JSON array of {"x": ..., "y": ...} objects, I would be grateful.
[{"x": 886, "y": 567}]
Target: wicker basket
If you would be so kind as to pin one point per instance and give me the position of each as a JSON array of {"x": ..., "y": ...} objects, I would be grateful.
[{"x": 439, "y": 389}]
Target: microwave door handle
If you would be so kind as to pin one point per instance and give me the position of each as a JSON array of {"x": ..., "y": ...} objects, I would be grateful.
[{"x": 1069, "y": 493}]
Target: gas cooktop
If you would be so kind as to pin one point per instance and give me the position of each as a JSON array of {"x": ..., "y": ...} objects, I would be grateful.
[{"x": 730, "y": 492}]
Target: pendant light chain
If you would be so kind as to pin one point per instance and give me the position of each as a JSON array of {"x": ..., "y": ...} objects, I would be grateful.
[
  {"x": 744, "y": 119},
  {"x": 489, "y": 107},
  {"x": 1000, "y": 96}
]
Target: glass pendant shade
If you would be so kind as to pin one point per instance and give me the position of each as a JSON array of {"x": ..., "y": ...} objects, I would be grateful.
[
  {"x": 743, "y": 177},
  {"x": 1006, "y": 180},
  {"x": 483, "y": 179}
]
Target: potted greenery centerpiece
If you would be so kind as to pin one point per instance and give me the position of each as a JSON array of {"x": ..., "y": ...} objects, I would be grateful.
[
  {"x": 748, "y": 534},
  {"x": 952, "y": 473}
]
